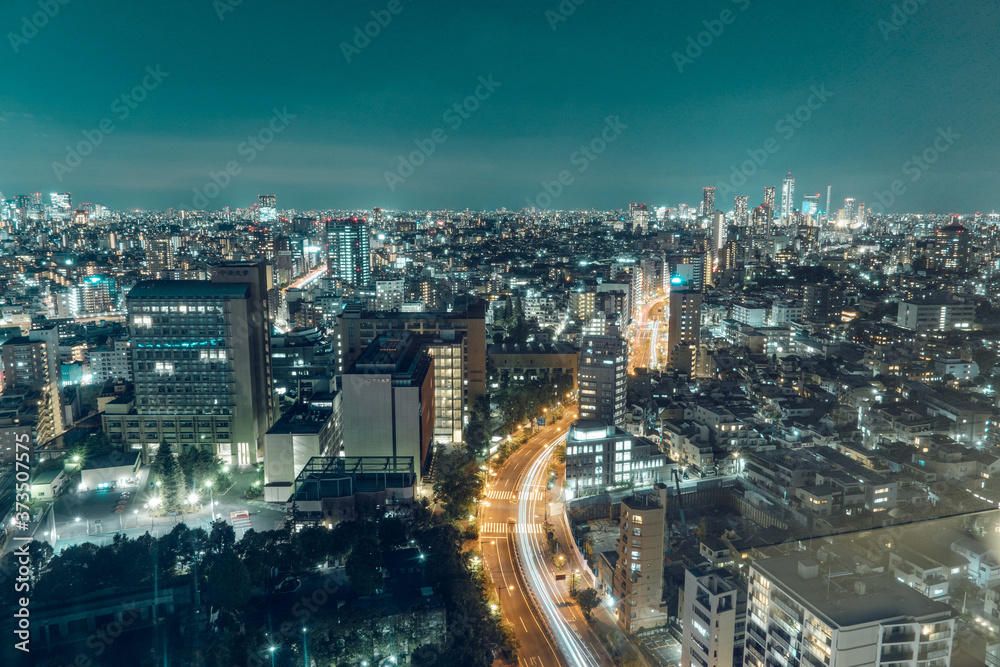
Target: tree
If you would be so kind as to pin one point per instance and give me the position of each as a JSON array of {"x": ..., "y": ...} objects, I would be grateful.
[
  {"x": 222, "y": 538},
  {"x": 458, "y": 486},
  {"x": 199, "y": 466},
  {"x": 227, "y": 582},
  {"x": 588, "y": 599},
  {"x": 169, "y": 478},
  {"x": 364, "y": 566}
]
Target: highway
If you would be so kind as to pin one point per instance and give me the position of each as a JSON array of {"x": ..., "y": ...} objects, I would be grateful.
[
  {"x": 529, "y": 596},
  {"x": 647, "y": 335}
]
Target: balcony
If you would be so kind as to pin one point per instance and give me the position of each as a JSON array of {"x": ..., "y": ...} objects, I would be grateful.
[
  {"x": 898, "y": 637},
  {"x": 897, "y": 655}
]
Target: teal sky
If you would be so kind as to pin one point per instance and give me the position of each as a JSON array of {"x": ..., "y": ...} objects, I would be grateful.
[{"x": 890, "y": 93}]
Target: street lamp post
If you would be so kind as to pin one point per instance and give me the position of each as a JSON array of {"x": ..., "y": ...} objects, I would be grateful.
[{"x": 153, "y": 504}]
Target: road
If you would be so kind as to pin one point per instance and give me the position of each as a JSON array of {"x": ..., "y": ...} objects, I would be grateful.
[
  {"x": 645, "y": 346},
  {"x": 529, "y": 595}
]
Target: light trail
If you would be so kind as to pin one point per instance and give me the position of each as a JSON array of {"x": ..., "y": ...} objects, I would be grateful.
[
  {"x": 306, "y": 279},
  {"x": 532, "y": 547}
]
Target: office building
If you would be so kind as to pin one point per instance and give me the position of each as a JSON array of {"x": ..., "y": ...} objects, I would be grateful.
[
  {"x": 683, "y": 324},
  {"x": 708, "y": 201},
  {"x": 389, "y": 295},
  {"x": 935, "y": 312},
  {"x": 800, "y": 612},
  {"x": 600, "y": 457},
  {"x": 849, "y": 210},
  {"x": 349, "y": 251},
  {"x": 200, "y": 367},
  {"x": 388, "y": 399},
  {"x": 637, "y": 586},
  {"x": 159, "y": 255},
  {"x": 639, "y": 217},
  {"x": 810, "y": 205},
  {"x": 601, "y": 377},
  {"x": 713, "y": 618}
]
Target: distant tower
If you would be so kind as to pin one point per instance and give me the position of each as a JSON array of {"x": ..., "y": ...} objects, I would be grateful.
[
  {"x": 720, "y": 232},
  {"x": 849, "y": 209},
  {"x": 862, "y": 215},
  {"x": 810, "y": 205},
  {"x": 829, "y": 192},
  {"x": 769, "y": 197},
  {"x": 639, "y": 216},
  {"x": 708, "y": 201},
  {"x": 787, "y": 198},
  {"x": 741, "y": 211},
  {"x": 268, "y": 211},
  {"x": 349, "y": 251}
]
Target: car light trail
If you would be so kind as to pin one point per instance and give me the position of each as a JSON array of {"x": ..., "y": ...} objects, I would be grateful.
[{"x": 533, "y": 554}]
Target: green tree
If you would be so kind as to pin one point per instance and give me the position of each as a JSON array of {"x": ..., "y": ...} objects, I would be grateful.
[
  {"x": 458, "y": 486},
  {"x": 169, "y": 478},
  {"x": 226, "y": 581},
  {"x": 199, "y": 466},
  {"x": 364, "y": 566},
  {"x": 588, "y": 599}
]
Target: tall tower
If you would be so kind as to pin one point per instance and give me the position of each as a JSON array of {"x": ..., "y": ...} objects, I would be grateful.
[
  {"x": 708, "y": 201},
  {"x": 741, "y": 211},
  {"x": 849, "y": 209},
  {"x": 769, "y": 197},
  {"x": 787, "y": 198},
  {"x": 267, "y": 212},
  {"x": 349, "y": 251},
  {"x": 720, "y": 232},
  {"x": 601, "y": 376},
  {"x": 829, "y": 192},
  {"x": 810, "y": 205},
  {"x": 683, "y": 324}
]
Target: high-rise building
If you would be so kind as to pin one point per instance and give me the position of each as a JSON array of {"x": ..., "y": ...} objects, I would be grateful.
[
  {"x": 637, "y": 586},
  {"x": 787, "y": 199},
  {"x": 639, "y": 217},
  {"x": 741, "y": 213},
  {"x": 601, "y": 376},
  {"x": 800, "y": 612},
  {"x": 849, "y": 210},
  {"x": 389, "y": 295},
  {"x": 708, "y": 201},
  {"x": 388, "y": 400},
  {"x": 952, "y": 252},
  {"x": 683, "y": 324},
  {"x": 159, "y": 254},
  {"x": 32, "y": 363},
  {"x": 862, "y": 215},
  {"x": 349, "y": 251},
  {"x": 714, "y": 614},
  {"x": 810, "y": 205},
  {"x": 267, "y": 212},
  {"x": 720, "y": 232},
  {"x": 200, "y": 366},
  {"x": 829, "y": 193},
  {"x": 769, "y": 196},
  {"x": 761, "y": 220}
]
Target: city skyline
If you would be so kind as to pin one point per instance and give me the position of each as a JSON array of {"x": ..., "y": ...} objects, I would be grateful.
[{"x": 325, "y": 122}]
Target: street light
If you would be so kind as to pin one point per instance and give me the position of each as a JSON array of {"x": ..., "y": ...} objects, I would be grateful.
[{"x": 305, "y": 649}]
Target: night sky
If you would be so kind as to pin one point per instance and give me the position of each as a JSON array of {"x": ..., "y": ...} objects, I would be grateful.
[{"x": 891, "y": 89}]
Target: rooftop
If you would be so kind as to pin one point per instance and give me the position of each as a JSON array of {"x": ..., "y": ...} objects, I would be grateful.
[{"x": 188, "y": 289}]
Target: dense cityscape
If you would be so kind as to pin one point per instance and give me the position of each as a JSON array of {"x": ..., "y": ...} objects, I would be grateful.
[
  {"x": 455, "y": 437},
  {"x": 558, "y": 334}
]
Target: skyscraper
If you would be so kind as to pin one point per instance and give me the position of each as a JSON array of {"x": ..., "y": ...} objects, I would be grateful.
[
  {"x": 159, "y": 254},
  {"x": 810, "y": 205},
  {"x": 268, "y": 210},
  {"x": 601, "y": 376},
  {"x": 639, "y": 217},
  {"x": 32, "y": 362},
  {"x": 708, "y": 201},
  {"x": 720, "y": 232},
  {"x": 952, "y": 250},
  {"x": 849, "y": 210},
  {"x": 349, "y": 254},
  {"x": 741, "y": 211},
  {"x": 769, "y": 197},
  {"x": 829, "y": 193},
  {"x": 683, "y": 324},
  {"x": 637, "y": 586},
  {"x": 787, "y": 199}
]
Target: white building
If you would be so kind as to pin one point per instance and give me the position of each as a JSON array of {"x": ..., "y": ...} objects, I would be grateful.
[
  {"x": 714, "y": 619},
  {"x": 801, "y": 613},
  {"x": 113, "y": 362}
]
